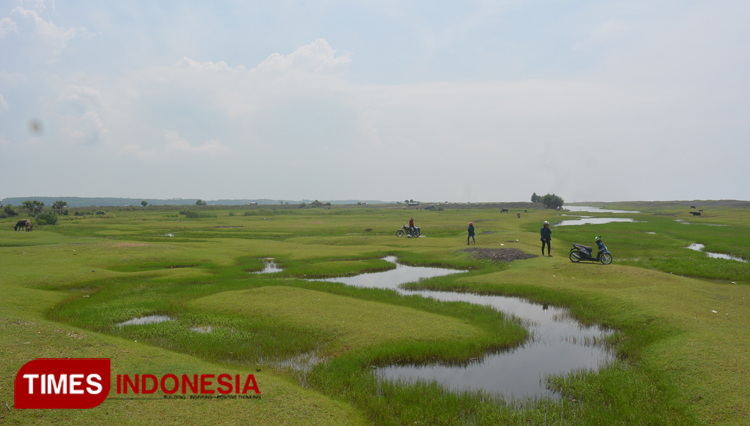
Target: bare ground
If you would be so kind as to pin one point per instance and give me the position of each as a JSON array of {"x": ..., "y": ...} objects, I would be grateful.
[{"x": 498, "y": 254}]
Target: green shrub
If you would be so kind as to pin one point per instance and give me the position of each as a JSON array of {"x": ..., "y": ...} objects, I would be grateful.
[
  {"x": 191, "y": 214},
  {"x": 8, "y": 211},
  {"x": 47, "y": 218},
  {"x": 101, "y": 212}
]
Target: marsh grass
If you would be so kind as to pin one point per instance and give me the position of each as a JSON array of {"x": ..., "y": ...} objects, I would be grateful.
[{"x": 675, "y": 362}]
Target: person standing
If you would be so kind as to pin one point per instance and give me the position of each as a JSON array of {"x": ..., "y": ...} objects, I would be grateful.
[
  {"x": 471, "y": 235},
  {"x": 411, "y": 226},
  {"x": 546, "y": 238}
]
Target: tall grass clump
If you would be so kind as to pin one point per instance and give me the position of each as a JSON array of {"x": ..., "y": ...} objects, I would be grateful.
[{"x": 192, "y": 214}]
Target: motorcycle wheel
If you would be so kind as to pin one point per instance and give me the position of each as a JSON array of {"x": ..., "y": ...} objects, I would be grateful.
[
  {"x": 575, "y": 257},
  {"x": 399, "y": 233},
  {"x": 417, "y": 232},
  {"x": 606, "y": 258}
]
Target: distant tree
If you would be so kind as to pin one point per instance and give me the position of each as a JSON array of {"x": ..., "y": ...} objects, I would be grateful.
[
  {"x": 33, "y": 207},
  {"x": 144, "y": 203},
  {"x": 552, "y": 201},
  {"x": 59, "y": 206},
  {"x": 536, "y": 198},
  {"x": 8, "y": 211},
  {"x": 200, "y": 203},
  {"x": 328, "y": 204},
  {"x": 316, "y": 203},
  {"x": 302, "y": 205}
]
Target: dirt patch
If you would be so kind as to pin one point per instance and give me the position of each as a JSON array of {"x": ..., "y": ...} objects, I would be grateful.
[
  {"x": 131, "y": 245},
  {"x": 498, "y": 255}
]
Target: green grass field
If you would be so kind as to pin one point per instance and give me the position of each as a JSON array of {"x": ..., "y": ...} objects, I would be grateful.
[{"x": 64, "y": 289}]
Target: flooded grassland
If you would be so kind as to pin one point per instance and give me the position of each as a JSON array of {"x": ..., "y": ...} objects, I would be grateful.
[{"x": 386, "y": 330}]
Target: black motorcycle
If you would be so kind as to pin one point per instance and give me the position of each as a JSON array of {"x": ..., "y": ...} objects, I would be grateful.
[
  {"x": 580, "y": 252},
  {"x": 406, "y": 230}
]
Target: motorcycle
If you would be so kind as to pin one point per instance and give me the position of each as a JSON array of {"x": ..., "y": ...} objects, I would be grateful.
[
  {"x": 406, "y": 230},
  {"x": 580, "y": 252}
]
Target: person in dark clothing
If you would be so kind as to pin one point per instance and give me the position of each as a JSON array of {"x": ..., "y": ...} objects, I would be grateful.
[
  {"x": 411, "y": 226},
  {"x": 471, "y": 234},
  {"x": 546, "y": 238}
]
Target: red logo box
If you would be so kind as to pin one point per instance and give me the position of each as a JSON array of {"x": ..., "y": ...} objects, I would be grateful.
[{"x": 62, "y": 383}]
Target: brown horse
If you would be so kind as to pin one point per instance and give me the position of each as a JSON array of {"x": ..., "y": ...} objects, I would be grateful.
[
  {"x": 23, "y": 224},
  {"x": 29, "y": 225}
]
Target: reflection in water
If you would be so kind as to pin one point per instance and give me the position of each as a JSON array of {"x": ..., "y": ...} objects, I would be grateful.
[
  {"x": 585, "y": 220},
  {"x": 700, "y": 247},
  {"x": 151, "y": 319},
  {"x": 269, "y": 267},
  {"x": 591, "y": 209},
  {"x": 558, "y": 344},
  {"x": 205, "y": 329}
]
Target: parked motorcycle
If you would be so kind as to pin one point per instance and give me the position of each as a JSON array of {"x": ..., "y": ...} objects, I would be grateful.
[
  {"x": 580, "y": 252},
  {"x": 406, "y": 230}
]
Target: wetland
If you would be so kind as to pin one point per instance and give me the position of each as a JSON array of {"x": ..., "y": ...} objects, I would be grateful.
[{"x": 343, "y": 323}]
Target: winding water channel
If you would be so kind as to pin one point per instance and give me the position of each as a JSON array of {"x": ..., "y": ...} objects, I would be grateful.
[{"x": 558, "y": 344}]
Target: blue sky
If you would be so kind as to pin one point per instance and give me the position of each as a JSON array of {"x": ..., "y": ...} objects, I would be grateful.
[{"x": 460, "y": 101}]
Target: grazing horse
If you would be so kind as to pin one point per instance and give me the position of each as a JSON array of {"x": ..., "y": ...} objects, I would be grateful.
[
  {"x": 504, "y": 211},
  {"x": 695, "y": 213},
  {"x": 21, "y": 224},
  {"x": 519, "y": 215},
  {"x": 29, "y": 225},
  {"x": 692, "y": 207}
]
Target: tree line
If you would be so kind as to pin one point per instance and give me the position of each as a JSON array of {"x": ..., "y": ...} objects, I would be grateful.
[{"x": 550, "y": 201}]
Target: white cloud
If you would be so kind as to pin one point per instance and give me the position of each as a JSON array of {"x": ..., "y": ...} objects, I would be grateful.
[
  {"x": 87, "y": 128},
  {"x": 82, "y": 108},
  {"x": 186, "y": 62},
  {"x": 177, "y": 144},
  {"x": 7, "y": 26},
  {"x": 3, "y": 105},
  {"x": 29, "y": 22},
  {"x": 40, "y": 5},
  {"x": 175, "y": 147},
  {"x": 81, "y": 98},
  {"x": 316, "y": 57}
]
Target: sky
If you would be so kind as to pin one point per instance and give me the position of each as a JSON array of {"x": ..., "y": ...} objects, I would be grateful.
[{"x": 391, "y": 100}]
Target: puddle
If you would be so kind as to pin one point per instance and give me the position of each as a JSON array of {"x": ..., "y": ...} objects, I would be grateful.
[
  {"x": 558, "y": 344},
  {"x": 151, "y": 319},
  {"x": 269, "y": 267},
  {"x": 592, "y": 209},
  {"x": 206, "y": 329},
  {"x": 168, "y": 235},
  {"x": 302, "y": 362},
  {"x": 300, "y": 365},
  {"x": 585, "y": 220},
  {"x": 652, "y": 233},
  {"x": 700, "y": 247}
]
